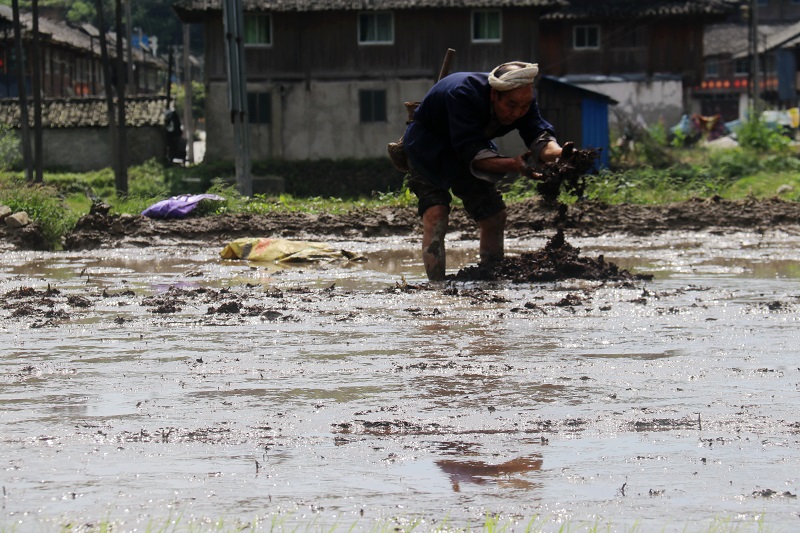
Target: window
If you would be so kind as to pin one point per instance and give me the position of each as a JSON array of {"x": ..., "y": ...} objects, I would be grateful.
[
  {"x": 257, "y": 30},
  {"x": 486, "y": 26},
  {"x": 586, "y": 37},
  {"x": 742, "y": 66},
  {"x": 375, "y": 28},
  {"x": 712, "y": 68},
  {"x": 259, "y": 108},
  {"x": 372, "y": 105}
]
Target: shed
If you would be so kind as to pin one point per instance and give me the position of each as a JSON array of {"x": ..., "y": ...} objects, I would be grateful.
[{"x": 579, "y": 115}]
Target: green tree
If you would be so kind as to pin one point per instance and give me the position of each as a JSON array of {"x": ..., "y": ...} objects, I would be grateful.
[
  {"x": 10, "y": 152},
  {"x": 154, "y": 17}
]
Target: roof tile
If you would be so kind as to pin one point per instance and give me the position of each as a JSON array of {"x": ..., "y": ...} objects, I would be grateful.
[{"x": 87, "y": 112}]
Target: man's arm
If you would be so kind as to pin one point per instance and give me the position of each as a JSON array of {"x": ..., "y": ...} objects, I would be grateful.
[
  {"x": 550, "y": 152},
  {"x": 500, "y": 165}
]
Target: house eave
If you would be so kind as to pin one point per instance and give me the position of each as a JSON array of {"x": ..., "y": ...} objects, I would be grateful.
[{"x": 197, "y": 10}]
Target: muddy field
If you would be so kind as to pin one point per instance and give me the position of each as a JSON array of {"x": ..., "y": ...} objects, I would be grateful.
[{"x": 145, "y": 379}]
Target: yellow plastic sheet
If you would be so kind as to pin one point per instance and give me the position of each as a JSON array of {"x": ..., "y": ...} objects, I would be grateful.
[
  {"x": 794, "y": 114},
  {"x": 285, "y": 251}
]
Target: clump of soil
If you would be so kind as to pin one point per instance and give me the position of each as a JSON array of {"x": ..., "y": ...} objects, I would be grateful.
[
  {"x": 558, "y": 260},
  {"x": 567, "y": 174},
  {"x": 30, "y": 237}
]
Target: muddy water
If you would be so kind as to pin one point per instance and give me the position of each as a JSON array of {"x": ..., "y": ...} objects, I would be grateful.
[{"x": 150, "y": 385}]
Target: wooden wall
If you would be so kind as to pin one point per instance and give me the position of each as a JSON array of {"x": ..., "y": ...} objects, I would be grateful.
[
  {"x": 650, "y": 47},
  {"x": 324, "y": 45}
]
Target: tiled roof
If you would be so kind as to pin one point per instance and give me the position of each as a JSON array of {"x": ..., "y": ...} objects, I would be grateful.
[
  {"x": 186, "y": 8},
  {"x": 86, "y": 112},
  {"x": 724, "y": 38},
  {"x": 604, "y": 9},
  {"x": 565, "y": 9},
  {"x": 783, "y": 37},
  {"x": 70, "y": 37},
  {"x": 733, "y": 39}
]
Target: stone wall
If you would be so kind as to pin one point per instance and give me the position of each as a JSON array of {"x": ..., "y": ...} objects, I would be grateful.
[{"x": 88, "y": 149}]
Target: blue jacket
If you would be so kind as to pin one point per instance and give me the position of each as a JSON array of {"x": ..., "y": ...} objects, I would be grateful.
[{"x": 449, "y": 127}]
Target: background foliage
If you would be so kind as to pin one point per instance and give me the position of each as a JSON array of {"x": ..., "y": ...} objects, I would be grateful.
[{"x": 154, "y": 17}]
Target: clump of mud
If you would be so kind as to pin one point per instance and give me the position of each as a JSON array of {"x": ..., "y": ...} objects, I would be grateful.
[
  {"x": 567, "y": 174},
  {"x": 30, "y": 237},
  {"x": 97, "y": 228},
  {"x": 558, "y": 260}
]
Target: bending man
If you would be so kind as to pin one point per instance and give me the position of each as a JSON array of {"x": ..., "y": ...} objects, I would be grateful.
[{"x": 449, "y": 147}]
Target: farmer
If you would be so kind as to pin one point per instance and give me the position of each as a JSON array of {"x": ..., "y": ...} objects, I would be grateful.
[{"x": 449, "y": 147}]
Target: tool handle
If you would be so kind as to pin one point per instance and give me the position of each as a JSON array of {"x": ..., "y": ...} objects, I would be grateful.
[{"x": 448, "y": 57}]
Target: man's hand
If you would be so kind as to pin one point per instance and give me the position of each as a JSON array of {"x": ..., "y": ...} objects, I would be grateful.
[
  {"x": 567, "y": 150},
  {"x": 527, "y": 167}
]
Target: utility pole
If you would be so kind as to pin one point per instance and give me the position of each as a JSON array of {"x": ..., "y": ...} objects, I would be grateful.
[
  {"x": 188, "y": 123},
  {"x": 36, "y": 66},
  {"x": 23, "y": 92},
  {"x": 754, "y": 66},
  {"x": 128, "y": 35},
  {"x": 108, "y": 89},
  {"x": 237, "y": 92},
  {"x": 121, "y": 178}
]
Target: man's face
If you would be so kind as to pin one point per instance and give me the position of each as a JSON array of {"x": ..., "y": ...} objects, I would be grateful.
[{"x": 510, "y": 106}]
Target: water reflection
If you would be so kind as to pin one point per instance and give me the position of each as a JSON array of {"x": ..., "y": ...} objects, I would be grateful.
[{"x": 504, "y": 474}]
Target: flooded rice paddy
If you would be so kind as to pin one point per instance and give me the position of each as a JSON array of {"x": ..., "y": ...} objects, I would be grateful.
[{"x": 144, "y": 386}]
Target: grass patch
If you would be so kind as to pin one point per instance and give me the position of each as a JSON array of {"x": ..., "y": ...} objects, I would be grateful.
[{"x": 43, "y": 204}]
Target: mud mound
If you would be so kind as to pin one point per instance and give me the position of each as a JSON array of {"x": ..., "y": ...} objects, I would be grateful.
[
  {"x": 30, "y": 237},
  {"x": 558, "y": 260}
]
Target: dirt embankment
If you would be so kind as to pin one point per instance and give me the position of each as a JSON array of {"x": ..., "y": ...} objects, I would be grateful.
[{"x": 99, "y": 230}]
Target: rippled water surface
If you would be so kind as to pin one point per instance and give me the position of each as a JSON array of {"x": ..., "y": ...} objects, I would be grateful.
[{"x": 140, "y": 386}]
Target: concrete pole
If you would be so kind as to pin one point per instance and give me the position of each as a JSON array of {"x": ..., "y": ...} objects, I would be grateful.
[
  {"x": 755, "y": 102},
  {"x": 237, "y": 92},
  {"x": 188, "y": 122},
  {"x": 27, "y": 157},
  {"x": 36, "y": 67},
  {"x": 132, "y": 89}
]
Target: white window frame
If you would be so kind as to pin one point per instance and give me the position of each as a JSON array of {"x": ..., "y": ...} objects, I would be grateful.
[
  {"x": 259, "y": 16},
  {"x": 371, "y": 17},
  {"x": 472, "y": 23},
  {"x": 586, "y": 28}
]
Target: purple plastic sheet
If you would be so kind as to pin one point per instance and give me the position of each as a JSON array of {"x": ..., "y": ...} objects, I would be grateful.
[{"x": 178, "y": 206}]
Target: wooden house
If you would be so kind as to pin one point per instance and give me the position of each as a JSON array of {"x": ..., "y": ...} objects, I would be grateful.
[
  {"x": 328, "y": 78},
  {"x": 646, "y": 54},
  {"x": 728, "y": 84},
  {"x": 70, "y": 60}
]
